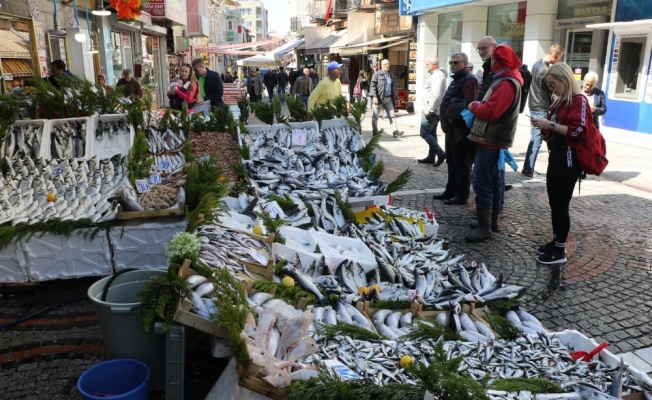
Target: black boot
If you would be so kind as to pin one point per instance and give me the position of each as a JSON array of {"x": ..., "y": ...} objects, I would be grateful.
[
  {"x": 495, "y": 211},
  {"x": 483, "y": 231}
]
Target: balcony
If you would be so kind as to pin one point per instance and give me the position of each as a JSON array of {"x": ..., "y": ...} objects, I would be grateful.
[
  {"x": 296, "y": 24},
  {"x": 259, "y": 16},
  {"x": 317, "y": 9},
  {"x": 340, "y": 8}
]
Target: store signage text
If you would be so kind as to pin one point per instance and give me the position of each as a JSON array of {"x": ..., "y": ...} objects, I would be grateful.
[
  {"x": 591, "y": 11},
  {"x": 512, "y": 29}
]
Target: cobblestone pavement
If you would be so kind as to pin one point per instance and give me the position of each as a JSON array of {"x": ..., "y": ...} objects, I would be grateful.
[{"x": 603, "y": 291}]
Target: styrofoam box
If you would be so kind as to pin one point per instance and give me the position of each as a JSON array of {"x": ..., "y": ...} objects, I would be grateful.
[
  {"x": 13, "y": 264},
  {"x": 45, "y": 131},
  {"x": 579, "y": 342},
  {"x": 233, "y": 204},
  {"x": 141, "y": 246},
  {"x": 236, "y": 221},
  {"x": 335, "y": 123},
  {"x": 254, "y": 130},
  {"x": 360, "y": 203},
  {"x": 46, "y": 152},
  {"x": 294, "y": 237},
  {"x": 59, "y": 257},
  {"x": 300, "y": 125},
  {"x": 108, "y": 148},
  {"x": 350, "y": 249},
  {"x": 290, "y": 253}
]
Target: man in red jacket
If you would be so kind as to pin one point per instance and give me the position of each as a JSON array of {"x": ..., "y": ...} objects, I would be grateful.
[{"x": 493, "y": 130}]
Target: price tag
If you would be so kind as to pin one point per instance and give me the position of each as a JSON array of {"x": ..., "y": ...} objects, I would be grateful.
[
  {"x": 258, "y": 257},
  {"x": 155, "y": 179},
  {"x": 165, "y": 165},
  {"x": 274, "y": 210},
  {"x": 142, "y": 186},
  {"x": 57, "y": 170},
  {"x": 342, "y": 370},
  {"x": 299, "y": 137}
]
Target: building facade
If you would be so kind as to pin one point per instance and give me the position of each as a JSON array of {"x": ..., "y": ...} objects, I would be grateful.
[{"x": 254, "y": 16}]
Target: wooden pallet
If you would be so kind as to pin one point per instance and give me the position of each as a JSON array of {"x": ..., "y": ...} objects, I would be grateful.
[
  {"x": 248, "y": 379},
  {"x": 169, "y": 212}
]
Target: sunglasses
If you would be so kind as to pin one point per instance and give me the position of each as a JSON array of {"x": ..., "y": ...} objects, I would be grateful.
[
  {"x": 483, "y": 48},
  {"x": 453, "y": 62},
  {"x": 551, "y": 85}
]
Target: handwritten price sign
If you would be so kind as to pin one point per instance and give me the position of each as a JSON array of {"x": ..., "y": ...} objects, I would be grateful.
[
  {"x": 142, "y": 186},
  {"x": 165, "y": 165},
  {"x": 57, "y": 170},
  {"x": 155, "y": 179}
]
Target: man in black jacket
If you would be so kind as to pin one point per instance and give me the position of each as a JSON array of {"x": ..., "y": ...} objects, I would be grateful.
[
  {"x": 595, "y": 96},
  {"x": 211, "y": 87},
  {"x": 460, "y": 93},
  {"x": 282, "y": 80}
]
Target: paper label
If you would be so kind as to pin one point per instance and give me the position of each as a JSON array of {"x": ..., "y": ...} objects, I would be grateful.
[
  {"x": 165, "y": 165},
  {"x": 142, "y": 186},
  {"x": 274, "y": 210},
  {"x": 342, "y": 370},
  {"x": 258, "y": 257},
  {"x": 155, "y": 179},
  {"x": 299, "y": 137},
  {"x": 57, "y": 170}
]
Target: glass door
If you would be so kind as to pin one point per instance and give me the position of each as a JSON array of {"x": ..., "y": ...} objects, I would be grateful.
[{"x": 578, "y": 52}]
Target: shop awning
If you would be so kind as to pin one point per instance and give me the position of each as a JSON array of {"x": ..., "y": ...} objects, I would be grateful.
[
  {"x": 226, "y": 48},
  {"x": 14, "y": 44},
  {"x": 647, "y": 23},
  {"x": 286, "y": 48},
  {"x": 418, "y": 7},
  {"x": 339, "y": 44},
  {"x": 363, "y": 48},
  {"x": 324, "y": 45}
]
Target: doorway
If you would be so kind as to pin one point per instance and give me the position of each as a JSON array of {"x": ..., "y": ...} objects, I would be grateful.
[{"x": 578, "y": 52}]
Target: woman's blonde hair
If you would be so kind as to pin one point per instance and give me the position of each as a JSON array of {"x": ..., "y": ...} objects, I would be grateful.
[
  {"x": 562, "y": 72},
  {"x": 193, "y": 80}
]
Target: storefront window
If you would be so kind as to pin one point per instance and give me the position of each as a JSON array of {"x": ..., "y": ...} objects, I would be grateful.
[
  {"x": 630, "y": 63},
  {"x": 506, "y": 24},
  {"x": 450, "y": 35},
  {"x": 583, "y": 8}
]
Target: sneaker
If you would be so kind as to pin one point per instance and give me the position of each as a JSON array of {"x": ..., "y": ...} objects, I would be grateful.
[
  {"x": 554, "y": 257},
  {"x": 398, "y": 134},
  {"x": 546, "y": 248}
]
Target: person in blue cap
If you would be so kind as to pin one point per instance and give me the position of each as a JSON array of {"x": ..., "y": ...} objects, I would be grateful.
[{"x": 328, "y": 88}]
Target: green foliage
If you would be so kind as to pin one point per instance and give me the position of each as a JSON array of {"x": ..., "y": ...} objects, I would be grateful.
[
  {"x": 365, "y": 153},
  {"x": 340, "y": 107},
  {"x": 358, "y": 109},
  {"x": 377, "y": 170},
  {"x": 182, "y": 246},
  {"x": 138, "y": 112},
  {"x": 279, "y": 265},
  {"x": 201, "y": 178},
  {"x": 138, "y": 159},
  {"x": 264, "y": 112},
  {"x": 271, "y": 224},
  {"x": 392, "y": 304},
  {"x": 503, "y": 327},
  {"x": 348, "y": 213},
  {"x": 10, "y": 233},
  {"x": 534, "y": 385},
  {"x": 278, "y": 111},
  {"x": 353, "y": 331},
  {"x": 400, "y": 181},
  {"x": 502, "y": 306},
  {"x": 283, "y": 201},
  {"x": 221, "y": 119},
  {"x": 231, "y": 300},
  {"x": 243, "y": 105},
  {"x": 290, "y": 294},
  {"x": 425, "y": 328},
  {"x": 108, "y": 101},
  {"x": 9, "y": 109},
  {"x": 159, "y": 300},
  {"x": 244, "y": 151},
  {"x": 321, "y": 112},
  {"x": 298, "y": 112}
]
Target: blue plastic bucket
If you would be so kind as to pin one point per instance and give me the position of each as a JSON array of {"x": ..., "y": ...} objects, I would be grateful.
[{"x": 123, "y": 378}]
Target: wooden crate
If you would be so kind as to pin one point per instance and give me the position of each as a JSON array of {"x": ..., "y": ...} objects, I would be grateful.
[
  {"x": 168, "y": 212},
  {"x": 247, "y": 379}
]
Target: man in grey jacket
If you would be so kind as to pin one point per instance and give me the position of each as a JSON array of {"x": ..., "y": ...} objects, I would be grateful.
[
  {"x": 433, "y": 93},
  {"x": 384, "y": 94},
  {"x": 539, "y": 102},
  {"x": 303, "y": 86}
]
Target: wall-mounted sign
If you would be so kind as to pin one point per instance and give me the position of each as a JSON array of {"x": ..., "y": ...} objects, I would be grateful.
[{"x": 387, "y": 21}]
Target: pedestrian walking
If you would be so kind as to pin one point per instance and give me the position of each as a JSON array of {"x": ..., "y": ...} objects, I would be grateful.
[
  {"x": 255, "y": 86},
  {"x": 270, "y": 82},
  {"x": 493, "y": 131},
  {"x": 566, "y": 124},
  {"x": 539, "y": 101},
  {"x": 595, "y": 96},
  {"x": 303, "y": 86},
  {"x": 211, "y": 87},
  {"x": 460, "y": 93},
  {"x": 361, "y": 88},
  {"x": 433, "y": 93},
  {"x": 384, "y": 94},
  {"x": 282, "y": 81},
  {"x": 328, "y": 88}
]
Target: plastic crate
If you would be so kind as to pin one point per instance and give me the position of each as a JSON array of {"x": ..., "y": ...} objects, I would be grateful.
[
  {"x": 175, "y": 354},
  {"x": 339, "y": 248},
  {"x": 108, "y": 148},
  {"x": 46, "y": 150},
  {"x": 44, "y": 130}
]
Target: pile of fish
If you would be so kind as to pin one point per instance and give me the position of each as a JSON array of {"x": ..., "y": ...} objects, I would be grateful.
[
  {"x": 201, "y": 297},
  {"x": 23, "y": 140},
  {"x": 345, "y": 313},
  {"x": 69, "y": 189},
  {"x": 160, "y": 142},
  {"x": 111, "y": 134},
  {"x": 68, "y": 138},
  {"x": 393, "y": 324},
  {"x": 168, "y": 163},
  {"x": 278, "y": 340},
  {"x": 224, "y": 248},
  {"x": 526, "y": 322},
  {"x": 471, "y": 330},
  {"x": 327, "y": 163},
  {"x": 384, "y": 226}
]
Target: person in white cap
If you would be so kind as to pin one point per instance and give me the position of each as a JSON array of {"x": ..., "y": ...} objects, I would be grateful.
[{"x": 328, "y": 88}]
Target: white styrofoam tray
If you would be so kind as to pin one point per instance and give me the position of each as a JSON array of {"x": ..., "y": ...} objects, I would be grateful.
[
  {"x": 45, "y": 131},
  {"x": 289, "y": 253},
  {"x": 59, "y": 257},
  {"x": 13, "y": 264},
  {"x": 254, "y": 131},
  {"x": 300, "y": 239},
  {"x": 360, "y": 203},
  {"x": 141, "y": 246},
  {"x": 46, "y": 143},
  {"x": 335, "y": 123},
  {"x": 340, "y": 248},
  {"x": 239, "y": 222},
  {"x": 108, "y": 147}
]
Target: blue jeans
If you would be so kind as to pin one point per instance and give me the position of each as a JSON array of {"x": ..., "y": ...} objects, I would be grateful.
[
  {"x": 487, "y": 182},
  {"x": 304, "y": 100},
  {"x": 535, "y": 144},
  {"x": 429, "y": 133},
  {"x": 281, "y": 93},
  {"x": 388, "y": 105}
]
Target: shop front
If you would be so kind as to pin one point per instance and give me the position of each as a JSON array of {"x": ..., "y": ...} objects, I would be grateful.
[
  {"x": 628, "y": 83},
  {"x": 18, "y": 48}
]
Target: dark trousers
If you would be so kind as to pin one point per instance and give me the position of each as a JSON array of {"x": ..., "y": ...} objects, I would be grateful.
[
  {"x": 270, "y": 92},
  {"x": 560, "y": 184},
  {"x": 428, "y": 132},
  {"x": 253, "y": 97},
  {"x": 459, "y": 166},
  {"x": 486, "y": 177}
]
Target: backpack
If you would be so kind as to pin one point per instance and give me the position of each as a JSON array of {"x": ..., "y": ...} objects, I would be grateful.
[
  {"x": 592, "y": 152},
  {"x": 357, "y": 90},
  {"x": 525, "y": 89}
]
